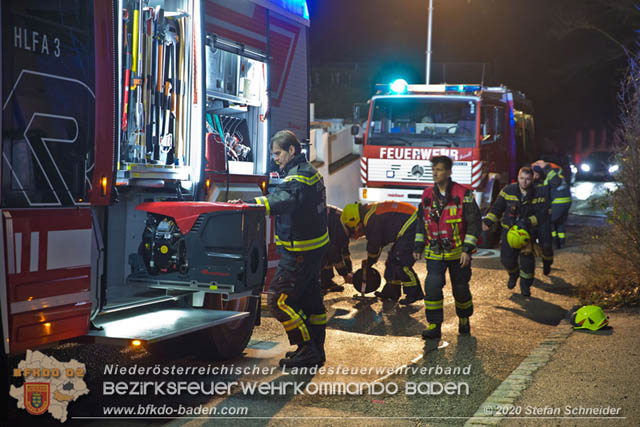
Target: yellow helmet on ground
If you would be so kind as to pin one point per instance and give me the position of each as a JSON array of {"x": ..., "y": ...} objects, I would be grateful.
[
  {"x": 351, "y": 215},
  {"x": 518, "y": 237},
  {"x": 589, "y": 317}
]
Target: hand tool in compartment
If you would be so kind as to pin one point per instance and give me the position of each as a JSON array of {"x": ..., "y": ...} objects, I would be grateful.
[
  {"x": 166, "y": 141},
  {"x": 159, "y": 68},
  {"x": 149, "y": 86},
  {"x": 127, "y": 74}
]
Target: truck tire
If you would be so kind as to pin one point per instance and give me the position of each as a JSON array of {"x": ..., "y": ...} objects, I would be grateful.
[{"x": 226, "y": 341}]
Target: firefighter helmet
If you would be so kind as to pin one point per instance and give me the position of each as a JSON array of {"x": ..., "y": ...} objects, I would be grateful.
[
  {"x": 589, "y": 317},
  {"x": 517, "y": 237},
  {"x": 351, "y": 215}
]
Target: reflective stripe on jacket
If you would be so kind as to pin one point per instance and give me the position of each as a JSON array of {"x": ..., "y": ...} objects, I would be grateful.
[
  {"x": 300, "y": 205},
  {"x": 450, "y": 224}
]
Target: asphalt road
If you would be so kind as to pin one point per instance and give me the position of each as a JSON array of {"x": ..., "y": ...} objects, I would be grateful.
[
  {"x": 378, "y": 372},
  {"x": 368, "y": 338}
]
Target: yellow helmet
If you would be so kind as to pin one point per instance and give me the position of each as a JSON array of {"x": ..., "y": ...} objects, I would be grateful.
[
  {"x": 351, "y": 215},
  {"x": 517, "y": 237},
  {"x": 589, "y": 317}
]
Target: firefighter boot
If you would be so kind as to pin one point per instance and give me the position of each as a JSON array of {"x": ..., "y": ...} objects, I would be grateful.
[
  {"x": 307, "y": 356},
  {"x": 546, "y": 267},
  {"x": 331, "y": 286},
  {"x": 513, "y": 279},
  {"x": 413, "y": 294},
  {"x": 318, "y": 335},
  {"x": 464, "y": 328},
  {"x": 290, "y": 354},
  {"x": 433, "y": 332},
  {"x": 390, "y": 292}
]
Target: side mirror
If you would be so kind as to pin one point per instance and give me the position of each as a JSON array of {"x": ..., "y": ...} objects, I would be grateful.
[{"x": 355, "y": 130}]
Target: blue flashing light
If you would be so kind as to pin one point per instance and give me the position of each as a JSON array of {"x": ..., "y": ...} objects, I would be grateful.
[
  {"x": 399, "y": 86},
  {"x": 298, "y": 7},
  {"x": 462, "y": 88}
]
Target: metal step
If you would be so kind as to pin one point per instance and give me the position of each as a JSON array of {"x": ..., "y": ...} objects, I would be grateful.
[{"x": 157, "y": 322}]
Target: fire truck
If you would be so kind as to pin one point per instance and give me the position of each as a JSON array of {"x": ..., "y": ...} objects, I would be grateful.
[
  {"x": 126, "y": 125},
  {"x": 487, "y": 131}
]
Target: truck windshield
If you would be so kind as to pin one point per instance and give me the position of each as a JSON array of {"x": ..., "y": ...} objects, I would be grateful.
[{"x": 423, "y": 122}]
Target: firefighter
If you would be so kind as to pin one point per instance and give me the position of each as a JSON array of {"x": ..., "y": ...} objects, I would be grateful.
[
  {"x": 544, "y": 236},
  {"x": 383, "y": 223},
  {"x": 338, "y": 255},
  {"x": 295, "y": 298},
  {"x": 559, "y": 196},
  {"x": 447, "y": 232},
  {"x": 526, "y": 207}
]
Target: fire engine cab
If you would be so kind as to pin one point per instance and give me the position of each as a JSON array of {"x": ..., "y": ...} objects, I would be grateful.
[
  {"x": 126, "y": 125},
  {"x": 487, "y": 132}
]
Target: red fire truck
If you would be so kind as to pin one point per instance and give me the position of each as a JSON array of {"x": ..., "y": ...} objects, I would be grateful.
[
  {"x": 487, "y": 131},
  {"x": 125, "y": 124}
]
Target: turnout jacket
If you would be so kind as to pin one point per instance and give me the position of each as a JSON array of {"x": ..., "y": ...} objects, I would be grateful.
[
  {"x": 300, "y": 205},
  {"x": 448, "y": 224},
  {"x": 559, "y": 191},
  {"x": 529, "y": 211},
  {"x": 384, "y": 223}
]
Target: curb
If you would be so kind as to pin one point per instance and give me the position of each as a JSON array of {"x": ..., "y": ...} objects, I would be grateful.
[{"x": 512, "y": 387}]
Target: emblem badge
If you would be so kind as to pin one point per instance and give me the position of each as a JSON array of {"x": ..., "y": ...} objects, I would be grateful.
[{"x": 36, "y": 398}]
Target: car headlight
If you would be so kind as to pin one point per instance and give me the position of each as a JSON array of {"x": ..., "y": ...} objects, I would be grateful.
[
  {"x": 585, "y": 167},
  {"x": 573, "y": 168},
  {"x": 613, "y": 168}
]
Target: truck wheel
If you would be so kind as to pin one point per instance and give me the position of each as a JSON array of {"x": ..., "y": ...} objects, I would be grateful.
[{"x": 228, "y": 340}]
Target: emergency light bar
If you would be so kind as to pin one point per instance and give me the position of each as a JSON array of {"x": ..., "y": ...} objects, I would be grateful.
[{"x": 400, "y": 86}]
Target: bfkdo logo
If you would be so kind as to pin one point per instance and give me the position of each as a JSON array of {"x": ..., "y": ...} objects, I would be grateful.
[{"x": 36, "y": 397}]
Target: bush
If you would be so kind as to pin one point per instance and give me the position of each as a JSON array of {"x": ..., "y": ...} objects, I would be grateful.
[{"x": 614, "y": 273}]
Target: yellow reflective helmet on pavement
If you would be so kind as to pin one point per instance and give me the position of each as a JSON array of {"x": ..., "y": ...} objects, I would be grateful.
[
  {"x": 351, "y": 215},
  {"x": 518, "y": 237},
  {"x": 589, "y": 317}
]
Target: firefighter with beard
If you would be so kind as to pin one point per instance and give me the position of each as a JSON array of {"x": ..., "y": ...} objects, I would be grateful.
[
  {"x": 383, "y": 223},
  {"x": 338, "y": 255},
  {"x": 447, "y": 232},
  {"x": 551, "y": 175},
  {"x": 523, "y": 208},
  {"x": 295, "y": 298}
]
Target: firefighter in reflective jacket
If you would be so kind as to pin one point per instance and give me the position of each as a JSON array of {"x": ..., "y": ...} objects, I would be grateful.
[
  {"x": 338, "y": 255},
  {"x": 559, "y": 195},
  {"x": 524, "y": 205},
  {"x": 447, "y": 232},
  {"x": 383, "y": 223},
  {"x": 295, "y": 298}
]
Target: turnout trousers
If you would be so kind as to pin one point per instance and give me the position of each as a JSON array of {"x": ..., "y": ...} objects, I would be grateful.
[
  {"x": 435, "y": 281},
  {"x": 517, "y": 263},
  {"x": 398, "y": 269},
  {"x": 559, "y": 215},
  {"x": 295, "y": 298}
]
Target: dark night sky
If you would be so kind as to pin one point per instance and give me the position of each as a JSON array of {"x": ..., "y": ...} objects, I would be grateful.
[{"x": 571, "y": 82}]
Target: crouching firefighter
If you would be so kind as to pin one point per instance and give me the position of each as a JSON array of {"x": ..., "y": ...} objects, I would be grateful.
[
  {"x": 338, "y": 255},
  {"x": 383, "y": 223},
  {"x": 447, "y": 233},
  {"x": 524, "y": 209},
  {"x": 294, "y": 297}
]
